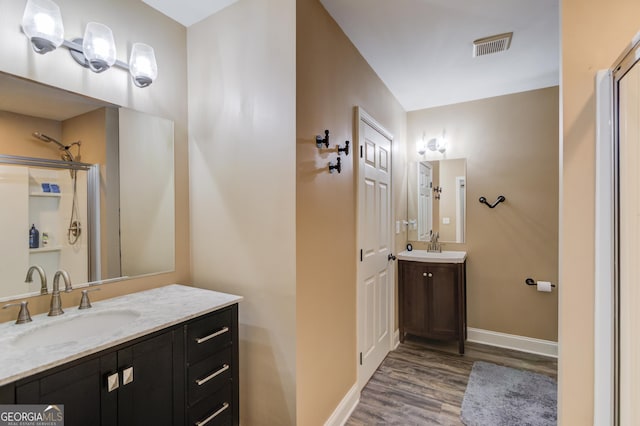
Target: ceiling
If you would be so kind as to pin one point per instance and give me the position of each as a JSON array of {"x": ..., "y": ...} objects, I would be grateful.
[
  {"x": 188, "y": 12},
  {"x": 421, "y": 49}
]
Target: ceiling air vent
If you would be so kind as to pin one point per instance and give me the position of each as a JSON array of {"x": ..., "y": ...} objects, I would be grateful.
[{"x": 493, "y": 44}]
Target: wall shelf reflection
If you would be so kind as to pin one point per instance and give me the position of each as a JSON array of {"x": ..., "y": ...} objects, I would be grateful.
[{"x": 45, "y": 249}]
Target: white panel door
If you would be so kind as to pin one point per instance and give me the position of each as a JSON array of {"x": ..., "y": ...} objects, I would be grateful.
[{"x": 375, "y": 273}]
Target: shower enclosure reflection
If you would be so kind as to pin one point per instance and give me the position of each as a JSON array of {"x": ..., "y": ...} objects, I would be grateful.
[
  {"x": 113, "y": 213},
  {"x": 49, "y": 196},
  {"x": 437, "y": 200}
]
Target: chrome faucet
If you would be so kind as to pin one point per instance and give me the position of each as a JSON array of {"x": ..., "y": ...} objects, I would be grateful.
[
  {"x": 23, "y": 316},
  {"x": 434, "y": 246},
  {"x": 56, "y": 304},
  {"x": 43, "y": 277}
]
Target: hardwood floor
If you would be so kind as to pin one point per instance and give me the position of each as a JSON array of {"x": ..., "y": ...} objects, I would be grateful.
[{"x": 423, "y": 382}]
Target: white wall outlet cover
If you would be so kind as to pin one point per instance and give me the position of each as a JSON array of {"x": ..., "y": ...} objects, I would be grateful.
[{"x": 446, "y": 220}]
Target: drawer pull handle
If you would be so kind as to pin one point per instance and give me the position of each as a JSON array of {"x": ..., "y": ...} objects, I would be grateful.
[
  {"x": 201, "y": 382},
  {"x": 214, "y": 415},
  {"x": 211, "y": 336}
]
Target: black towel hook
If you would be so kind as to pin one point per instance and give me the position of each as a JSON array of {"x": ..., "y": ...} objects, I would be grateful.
[{"x": 491, "y": 206}]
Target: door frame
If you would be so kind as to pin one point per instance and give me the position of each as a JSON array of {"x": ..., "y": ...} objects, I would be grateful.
[
  {"x": 429, "y": 222},
  {"x": 360, "y": 115}
]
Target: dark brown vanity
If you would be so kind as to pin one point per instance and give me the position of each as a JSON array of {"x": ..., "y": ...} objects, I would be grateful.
[
  {"x": 432, "y": 299},
  {"x": 179, "y": 374}
]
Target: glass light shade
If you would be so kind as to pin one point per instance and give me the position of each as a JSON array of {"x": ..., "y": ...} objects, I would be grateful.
[
  {"x": 437, "y": 144},
  {"x": 42, "y": 23},
  {"x": 99, "y": 47},
  {"x": 142, "y": 64},
  {"x": 421, "y": 147}
]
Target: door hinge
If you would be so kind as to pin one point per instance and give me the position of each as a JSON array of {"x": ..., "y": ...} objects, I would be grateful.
[
  {"x": 360, "y": 358},
  {"x": 361, "y": 151},
  {"x": 360, "y": 255},
  {"x": 430, "y": 184}
]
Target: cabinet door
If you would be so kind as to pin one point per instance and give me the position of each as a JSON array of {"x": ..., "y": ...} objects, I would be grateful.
[
  {"x": 79, "y": 388},
  {"x": 442, "y": 301},
  {"x": 414, "y": 298},
  {"x": 148, "y": 399}
]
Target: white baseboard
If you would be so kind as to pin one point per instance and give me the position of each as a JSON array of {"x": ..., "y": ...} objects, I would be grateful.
[
  {"x": 511, "y": 341},
  {"x": 396, "y": 340},
  {"x": 342, "y": 412}
]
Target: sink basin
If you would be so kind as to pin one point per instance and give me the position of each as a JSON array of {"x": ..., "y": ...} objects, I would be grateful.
[
  {"x": 75, "y": 328},
  {"x": 425, "y": 256}
]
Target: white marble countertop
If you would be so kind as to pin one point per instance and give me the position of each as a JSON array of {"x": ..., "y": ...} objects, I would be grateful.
[
  {"x": 431, "y": 257},
  {"x": 159, "y": 308}
]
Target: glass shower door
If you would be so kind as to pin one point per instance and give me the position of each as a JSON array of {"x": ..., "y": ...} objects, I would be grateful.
[{"x": 628, "y": 282}]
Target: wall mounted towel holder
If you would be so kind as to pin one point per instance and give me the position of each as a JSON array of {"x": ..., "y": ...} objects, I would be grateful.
[
  {"x": 323, "y": 140},
  {"x": 491, "y": 206},
  {"x": 335, "y": 167}
]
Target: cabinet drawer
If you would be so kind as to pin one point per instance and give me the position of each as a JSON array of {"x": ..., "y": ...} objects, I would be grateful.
[
  {"x": 213, "y": 410},
  {"x": 208, "y": 335},
  {"x": 208, "y": 375}
]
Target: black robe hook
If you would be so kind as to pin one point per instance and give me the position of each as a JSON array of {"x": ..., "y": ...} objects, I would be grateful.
[{"x": 323, "y": 141}]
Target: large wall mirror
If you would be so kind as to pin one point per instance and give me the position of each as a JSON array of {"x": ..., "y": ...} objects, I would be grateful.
[
  {"x": 95, "y": 180},
  {"x": 437, "y": 200}
]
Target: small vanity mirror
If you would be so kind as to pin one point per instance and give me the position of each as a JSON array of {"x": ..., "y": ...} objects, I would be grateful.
[
  {"x": 95, "y": 180},
  {"x": 437, "y": 200}
]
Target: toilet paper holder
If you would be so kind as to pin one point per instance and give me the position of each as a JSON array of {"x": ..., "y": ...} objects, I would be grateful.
[{"x": 531, "y": 281}]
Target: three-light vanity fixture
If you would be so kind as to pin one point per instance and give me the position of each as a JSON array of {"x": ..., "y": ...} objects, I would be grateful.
[
  {"x": 42, "y": 24},
  {"x": 438, "y": 143}
]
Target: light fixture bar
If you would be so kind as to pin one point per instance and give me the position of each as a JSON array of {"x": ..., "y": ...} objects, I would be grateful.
[{"x": 75, "y": 49}]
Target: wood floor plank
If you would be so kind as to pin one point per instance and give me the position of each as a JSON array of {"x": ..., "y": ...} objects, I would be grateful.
[{"x": 423, "y": 382}]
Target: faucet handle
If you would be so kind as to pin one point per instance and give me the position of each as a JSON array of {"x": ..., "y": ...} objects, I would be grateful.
[
  {"x": 23, "y": 316},
  {"x": 84, "y": 301}
]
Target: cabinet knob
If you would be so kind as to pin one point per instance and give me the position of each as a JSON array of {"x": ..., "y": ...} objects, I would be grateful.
[
  {"x": 113, "y": 382},
  {"x": 425, "y": 274},
  {"x": 127, "y": 376}
]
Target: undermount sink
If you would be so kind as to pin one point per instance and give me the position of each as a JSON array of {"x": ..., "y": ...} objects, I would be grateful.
[
  {"x": 433, "y": 257},
  {"x": 74, "y": 328}
]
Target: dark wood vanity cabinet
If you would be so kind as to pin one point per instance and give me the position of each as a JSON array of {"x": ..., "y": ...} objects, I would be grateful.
[
  {"x": 432, "y": 300},
  {"x": 186, "y": 374}
]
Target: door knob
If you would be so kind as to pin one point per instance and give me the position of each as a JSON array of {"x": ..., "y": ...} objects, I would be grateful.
[{"x": 391, "y": 257}]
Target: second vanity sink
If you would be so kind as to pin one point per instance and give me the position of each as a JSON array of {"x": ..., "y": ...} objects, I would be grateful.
[
  {"x": 61, "y": 331},
  {"x": 431, "y": 257}
]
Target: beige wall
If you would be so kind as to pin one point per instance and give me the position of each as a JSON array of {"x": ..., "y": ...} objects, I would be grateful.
[
  {"x": 584, "y": 51},
  {"x": 167, "y": 97},
  {"x": 332, "y": 78},
  {"x": 16, "y": 138},
  {"x": 511, "y": 146},
  {"x": 242, "y": 182}
]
